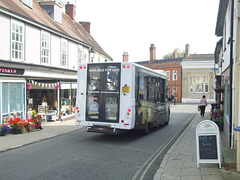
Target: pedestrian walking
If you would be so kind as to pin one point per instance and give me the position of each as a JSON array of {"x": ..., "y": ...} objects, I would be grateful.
[{"x": 203, "y": 104}]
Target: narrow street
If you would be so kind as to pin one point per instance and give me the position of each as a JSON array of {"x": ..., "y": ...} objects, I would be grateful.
[{"x": 82, "y": 155}]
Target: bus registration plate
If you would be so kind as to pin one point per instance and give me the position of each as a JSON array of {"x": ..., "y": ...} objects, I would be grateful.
[{"x": 125, "y": 89}]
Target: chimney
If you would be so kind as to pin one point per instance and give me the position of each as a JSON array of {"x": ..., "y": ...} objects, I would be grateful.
[
  {"x": 175, "y": 54},
  {"x": 125, "y": 56},
  {"x": 86, "y": 26},
  {"x": 187, "y": 50},
  {"x": 152, "y": 53},
  {"x": 70, "y": 10}
]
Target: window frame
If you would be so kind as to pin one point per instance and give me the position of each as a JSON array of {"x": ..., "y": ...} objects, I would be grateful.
[
  {"x": 57, "y": 14},
  {"x": 27, "y": 3},
  {"x": 80, "y": 54},
  {"x": 44, "y": 33},
  {"x": 193, "y": 84},
  {"x": 64, "y": 63},
  {"x": 168, "y": 75},
  {"x": 173, "y": 75},
  {"x": 20, "y": 24}
]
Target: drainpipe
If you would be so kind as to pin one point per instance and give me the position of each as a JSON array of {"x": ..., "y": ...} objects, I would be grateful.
[{"x": 231, "y": 77}]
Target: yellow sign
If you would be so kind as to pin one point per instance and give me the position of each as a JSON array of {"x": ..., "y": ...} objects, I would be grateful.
[{"x": 125, "y": 89}]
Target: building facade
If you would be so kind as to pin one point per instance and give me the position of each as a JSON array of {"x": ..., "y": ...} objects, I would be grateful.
[
  {"x": 227, "y": 57},
  {"x": 173, "y": 70},
  {"x": 41, "y": 46},
  {"x": 198, "y": 78}
]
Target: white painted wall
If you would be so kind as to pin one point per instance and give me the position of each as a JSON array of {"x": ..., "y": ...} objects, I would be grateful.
[
  {"x": 55, "y": 50},
  {"x": 32, "y": 45},
  {"x": 4, "y": 38},
  {"x": 226, "y": 45},
  {"x": 72, "y": 54}
]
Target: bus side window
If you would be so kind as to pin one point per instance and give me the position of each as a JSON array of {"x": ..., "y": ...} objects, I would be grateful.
[{"x": 142, "y": 88}]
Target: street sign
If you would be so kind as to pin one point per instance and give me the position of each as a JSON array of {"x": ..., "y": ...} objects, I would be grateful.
[{"x": 208, "y": 143}]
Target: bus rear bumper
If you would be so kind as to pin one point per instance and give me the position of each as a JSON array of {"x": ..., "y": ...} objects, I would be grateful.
[
  {"x": 101, "y": 129},
  {"x": 104, "y": 129}
]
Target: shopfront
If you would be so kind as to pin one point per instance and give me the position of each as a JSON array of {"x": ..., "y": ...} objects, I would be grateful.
[
  {"x": 49, "y": 91},
  {"x": 50, "y": 98}
]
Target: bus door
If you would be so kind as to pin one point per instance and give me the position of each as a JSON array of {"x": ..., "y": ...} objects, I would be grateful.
[{"x": 103, "y": 92}]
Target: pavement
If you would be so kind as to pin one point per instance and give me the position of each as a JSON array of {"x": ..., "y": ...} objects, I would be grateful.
[
  {"x": 179, "y": 163},
  {"x": 50, "y": 130}
]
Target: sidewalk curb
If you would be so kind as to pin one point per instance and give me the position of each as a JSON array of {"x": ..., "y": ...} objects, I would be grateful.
[{"x": 159, "y": 172}]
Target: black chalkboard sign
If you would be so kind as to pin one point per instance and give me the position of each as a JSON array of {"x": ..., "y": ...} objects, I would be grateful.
[{"x": 208, "y": 147}]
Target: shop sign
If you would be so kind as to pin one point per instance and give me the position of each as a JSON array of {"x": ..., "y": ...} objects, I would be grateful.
[
  {"x": 7, "y": 70},
  {"x": 208, "y": 143}
]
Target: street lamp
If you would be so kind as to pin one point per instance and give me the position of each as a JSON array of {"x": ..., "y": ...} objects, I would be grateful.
[{"x": 92, "y": 54}]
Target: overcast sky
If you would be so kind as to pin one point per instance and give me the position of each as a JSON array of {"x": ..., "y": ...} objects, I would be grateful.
[{"x": 132, "y": 25}]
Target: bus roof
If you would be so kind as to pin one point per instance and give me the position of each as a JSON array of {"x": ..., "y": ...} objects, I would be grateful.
[{"x": 140, "y": 68}]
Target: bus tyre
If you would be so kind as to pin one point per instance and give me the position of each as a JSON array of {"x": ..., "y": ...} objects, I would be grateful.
[
  {"x": 145, "y": 131},
  {"x": 166, "y": 123}
]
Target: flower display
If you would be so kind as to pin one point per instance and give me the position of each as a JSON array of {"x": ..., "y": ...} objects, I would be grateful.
[
  {"x": 4, "y": 129},
  {"x": 37, "y": 119},
  {"x": 18, "y": 125}
]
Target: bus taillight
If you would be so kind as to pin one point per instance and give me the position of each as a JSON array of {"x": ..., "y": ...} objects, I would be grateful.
[
  {"x": 128, "y": 66},
  {"x": 82, "y": 67}
]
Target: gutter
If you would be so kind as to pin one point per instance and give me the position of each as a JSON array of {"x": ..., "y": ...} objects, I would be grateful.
[{"x": 231, "y": 78}]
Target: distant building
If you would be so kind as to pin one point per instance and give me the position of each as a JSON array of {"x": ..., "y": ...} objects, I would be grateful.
[
  {"x": 198, "y": 78},
  {"x": 173, "y": 69},
  {"x": 189, "y": 77},
  {"x": 41, "y": 46}
]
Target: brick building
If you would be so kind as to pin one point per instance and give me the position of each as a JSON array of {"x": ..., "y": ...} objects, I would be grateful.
[{"x": 172, "y": 67}]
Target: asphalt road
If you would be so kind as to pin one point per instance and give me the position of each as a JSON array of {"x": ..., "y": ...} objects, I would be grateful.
[{"x": 89, "y": 156}]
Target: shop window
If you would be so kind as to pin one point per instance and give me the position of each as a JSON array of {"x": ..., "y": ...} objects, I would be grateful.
[
  {"x": 226, "y": 100},
  {"x": 13, "y": 99},
  {"x": 68, "y": 98}
]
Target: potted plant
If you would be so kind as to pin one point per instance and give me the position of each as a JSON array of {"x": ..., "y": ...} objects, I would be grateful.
[
  {"x": 218, "y": 119},
  {"x": 4, "y": 129},
  {"x": 17, "y": 125},
  {"x": 29, "y": 125},
  {"x": 37, "y": 120}
]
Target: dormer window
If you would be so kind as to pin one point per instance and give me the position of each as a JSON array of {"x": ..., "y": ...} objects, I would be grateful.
[
  {"x": 57, "y": 14},
  {"x": 53, "y": 9},
  {"x": 27, "y": 2}
]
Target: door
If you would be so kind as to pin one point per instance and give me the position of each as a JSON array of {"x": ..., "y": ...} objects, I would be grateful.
[{"x": 103, "y": 90}]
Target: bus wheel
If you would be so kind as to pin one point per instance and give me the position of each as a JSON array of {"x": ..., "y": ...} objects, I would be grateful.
[
  {"x": 145, "y": 131},
  {"x": 166, "y": 123}
]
